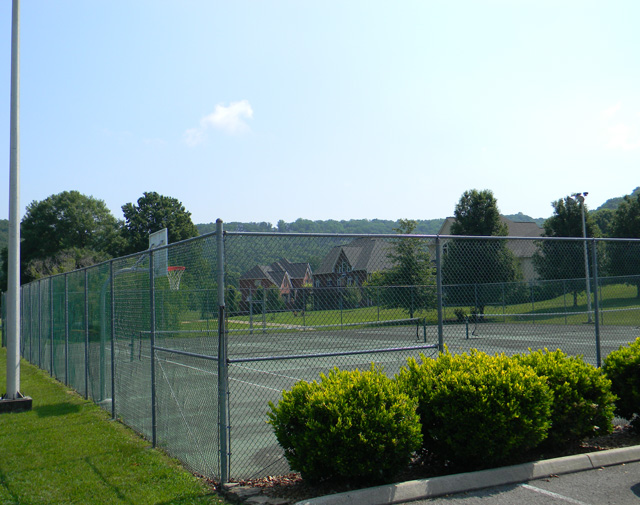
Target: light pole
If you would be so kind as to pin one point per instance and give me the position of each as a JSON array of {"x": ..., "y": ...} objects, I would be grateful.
[
  {"x": 13, "y": 399},
  {"x": 580, "y": 197}
]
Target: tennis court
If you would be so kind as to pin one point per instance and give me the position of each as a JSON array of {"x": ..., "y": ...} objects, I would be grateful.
[
  {"x": 289, "y": 327},
  {"x": 261, "y": 366}
]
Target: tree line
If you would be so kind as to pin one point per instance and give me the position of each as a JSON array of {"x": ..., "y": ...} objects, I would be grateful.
[
  {"x": 477, "y": 272},
  {"x": 70, "y": 230}
]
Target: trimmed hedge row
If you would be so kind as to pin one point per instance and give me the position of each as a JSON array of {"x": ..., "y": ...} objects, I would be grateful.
[
  {"x": 477, "y": 410},
  {"x": 355, "y": 425},
  {"x": 466, "y": 411},
  {"x": 623, "y": 368}
]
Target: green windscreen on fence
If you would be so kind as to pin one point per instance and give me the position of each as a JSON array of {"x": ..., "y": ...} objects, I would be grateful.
[{"x": 148, "y": 339}]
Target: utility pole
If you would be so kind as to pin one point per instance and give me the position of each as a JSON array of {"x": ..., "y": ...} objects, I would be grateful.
[{"x": 14, "y": 400}]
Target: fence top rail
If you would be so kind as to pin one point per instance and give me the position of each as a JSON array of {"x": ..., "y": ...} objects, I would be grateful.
[{"x": 420, "y": 236}]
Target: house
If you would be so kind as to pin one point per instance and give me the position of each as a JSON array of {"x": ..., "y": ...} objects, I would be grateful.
[
  {"x": 287, "y": 277},
  {"x": 522, "y": 249},
  {"x": 352, "y": 264}
]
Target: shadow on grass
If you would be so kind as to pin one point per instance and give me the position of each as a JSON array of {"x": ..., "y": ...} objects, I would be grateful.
[{"x": 58, "y": 409}]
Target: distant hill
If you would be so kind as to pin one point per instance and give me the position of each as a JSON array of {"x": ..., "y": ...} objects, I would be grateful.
[
  {"x": 523, "y": 218},
  {"x": 358, "y": 226},
  {"x": 612, "y": 203}
]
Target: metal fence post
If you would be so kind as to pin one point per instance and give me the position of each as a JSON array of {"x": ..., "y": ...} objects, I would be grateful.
[
  {"x": 533, "y": 303},
  {"x": 222, "y": 361},
  {"x": 113, "y": 338},
  {"x": 264, "y": 310},
  {"x": 39, "y": 324},
  {"x": 439, "y": 294},
  {"x": 250, "y": 300},
  {"x": 564, "y": 298},
  {"x": 596, "y": 303},
  {"x": 86, "y": 334},
  {"x": 51, "y": 323},
  {"x": 66, "y": 329},
  {"x": 152, "y": 337}
]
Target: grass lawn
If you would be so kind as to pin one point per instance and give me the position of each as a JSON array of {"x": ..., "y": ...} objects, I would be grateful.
[
  {"x": 619, "y": 306},
  {"x": 66, "y": 450}
]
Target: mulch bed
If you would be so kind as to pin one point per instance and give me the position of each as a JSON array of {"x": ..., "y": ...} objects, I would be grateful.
[{"x": 292, "y": 488}]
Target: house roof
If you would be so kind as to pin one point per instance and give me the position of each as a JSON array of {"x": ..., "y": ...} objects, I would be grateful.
[
  {"x": 276, "y": 271},
  {"x": 295, "y": 270},
  {"x": 364, "y": 254},
  {"x": 521, "y": 248}
]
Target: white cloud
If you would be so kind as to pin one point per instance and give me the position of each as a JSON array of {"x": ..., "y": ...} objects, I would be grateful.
[
  {"x": 230, "y": 119},
  {"x": 610, "y": 111},
  {"x": 193, "y": 136}
]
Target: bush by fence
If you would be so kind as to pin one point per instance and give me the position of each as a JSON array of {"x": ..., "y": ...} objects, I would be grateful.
[{"x": 623, "y": 368}]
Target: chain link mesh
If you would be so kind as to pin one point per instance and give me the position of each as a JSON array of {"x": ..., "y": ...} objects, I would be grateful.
[{"x": 298, "y": 305}]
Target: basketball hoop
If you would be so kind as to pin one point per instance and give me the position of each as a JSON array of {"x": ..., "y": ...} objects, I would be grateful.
[{"x": 174, "y": 274}]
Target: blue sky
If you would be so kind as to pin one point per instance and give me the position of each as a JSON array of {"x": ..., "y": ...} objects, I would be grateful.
[{"x": 260, "y": 111}]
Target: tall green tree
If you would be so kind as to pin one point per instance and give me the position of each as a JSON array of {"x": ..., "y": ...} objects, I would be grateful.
[
  {"x": 564, "y": 260},
  {"x": 65, "y": 221},
  {"x": 475, "y": 271},
  {"x": 57, "y": 228},
  {"x": 623, "y": 258},
  {"x": 409, "y": 284},
  {"x": 603, "y": 218},
  {"x": 477, "y": 213},
  {"x": 152, "y": 213}
]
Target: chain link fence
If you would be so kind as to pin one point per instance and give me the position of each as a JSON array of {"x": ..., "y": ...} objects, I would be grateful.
[{"x": 192, "y": 365}]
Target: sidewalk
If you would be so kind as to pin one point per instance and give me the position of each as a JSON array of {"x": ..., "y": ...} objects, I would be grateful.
[{"x": 459, "y": 483}]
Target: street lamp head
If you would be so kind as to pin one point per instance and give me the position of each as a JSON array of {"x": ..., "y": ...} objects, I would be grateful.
[{"x": 580, "y": 196}]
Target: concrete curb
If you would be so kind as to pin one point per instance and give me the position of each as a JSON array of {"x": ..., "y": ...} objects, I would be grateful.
[{"x": 450, "y": 484}]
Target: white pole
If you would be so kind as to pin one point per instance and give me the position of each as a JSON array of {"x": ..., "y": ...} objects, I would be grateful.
[
  {"x": 586, "y": 261},
  {"x": 580, "y": 197},
  {"x": 13, "y": 305}
]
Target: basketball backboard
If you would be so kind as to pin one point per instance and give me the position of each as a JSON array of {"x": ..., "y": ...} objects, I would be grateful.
[{"x": 160, "y": 258}]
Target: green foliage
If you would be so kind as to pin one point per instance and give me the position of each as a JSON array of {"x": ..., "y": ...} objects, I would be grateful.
[
  {"x": 65, "y": 221},
  {"x": 483, "y": 262},
  {"x": 565, "y": 259},
  {"x": 603, "y": 218},
  {"x": 66, "y": 260},
  {"x": 350, "y": 425},
  {"x": 232, "y": 300},
  {"x": 523, "y": 218},
  {"x": 477, "y": 214},
  {"x": 152, "y": 213},
  {"x": 273, "y": 303},
  {"x": 359, "y": 226},
  {"x": 478, "y": 410},
  {"x": 613, "y": 203},
  {"x": 623, "y": 368},
  {"x": 409, "y": 284},
  {"x": 64, "y": 228},
  {"x": 583, "y": 403},
  {"x": 623, "y": 257}
]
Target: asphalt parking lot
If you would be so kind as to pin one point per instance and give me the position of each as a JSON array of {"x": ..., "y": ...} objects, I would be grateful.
[{"x": 615, "y": 485}]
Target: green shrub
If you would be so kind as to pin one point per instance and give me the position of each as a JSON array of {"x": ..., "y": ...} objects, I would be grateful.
[
  {"x": 353, "y": 425},
  {"x": 478, "y": 410},
  {"x": 583, "y": 403},
  {"x": 623, "y": 368}
]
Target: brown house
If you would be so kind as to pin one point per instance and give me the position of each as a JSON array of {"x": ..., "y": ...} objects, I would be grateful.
[
  {"x": 352, "y": 264},
  {"x": 287, "y": 277}
]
